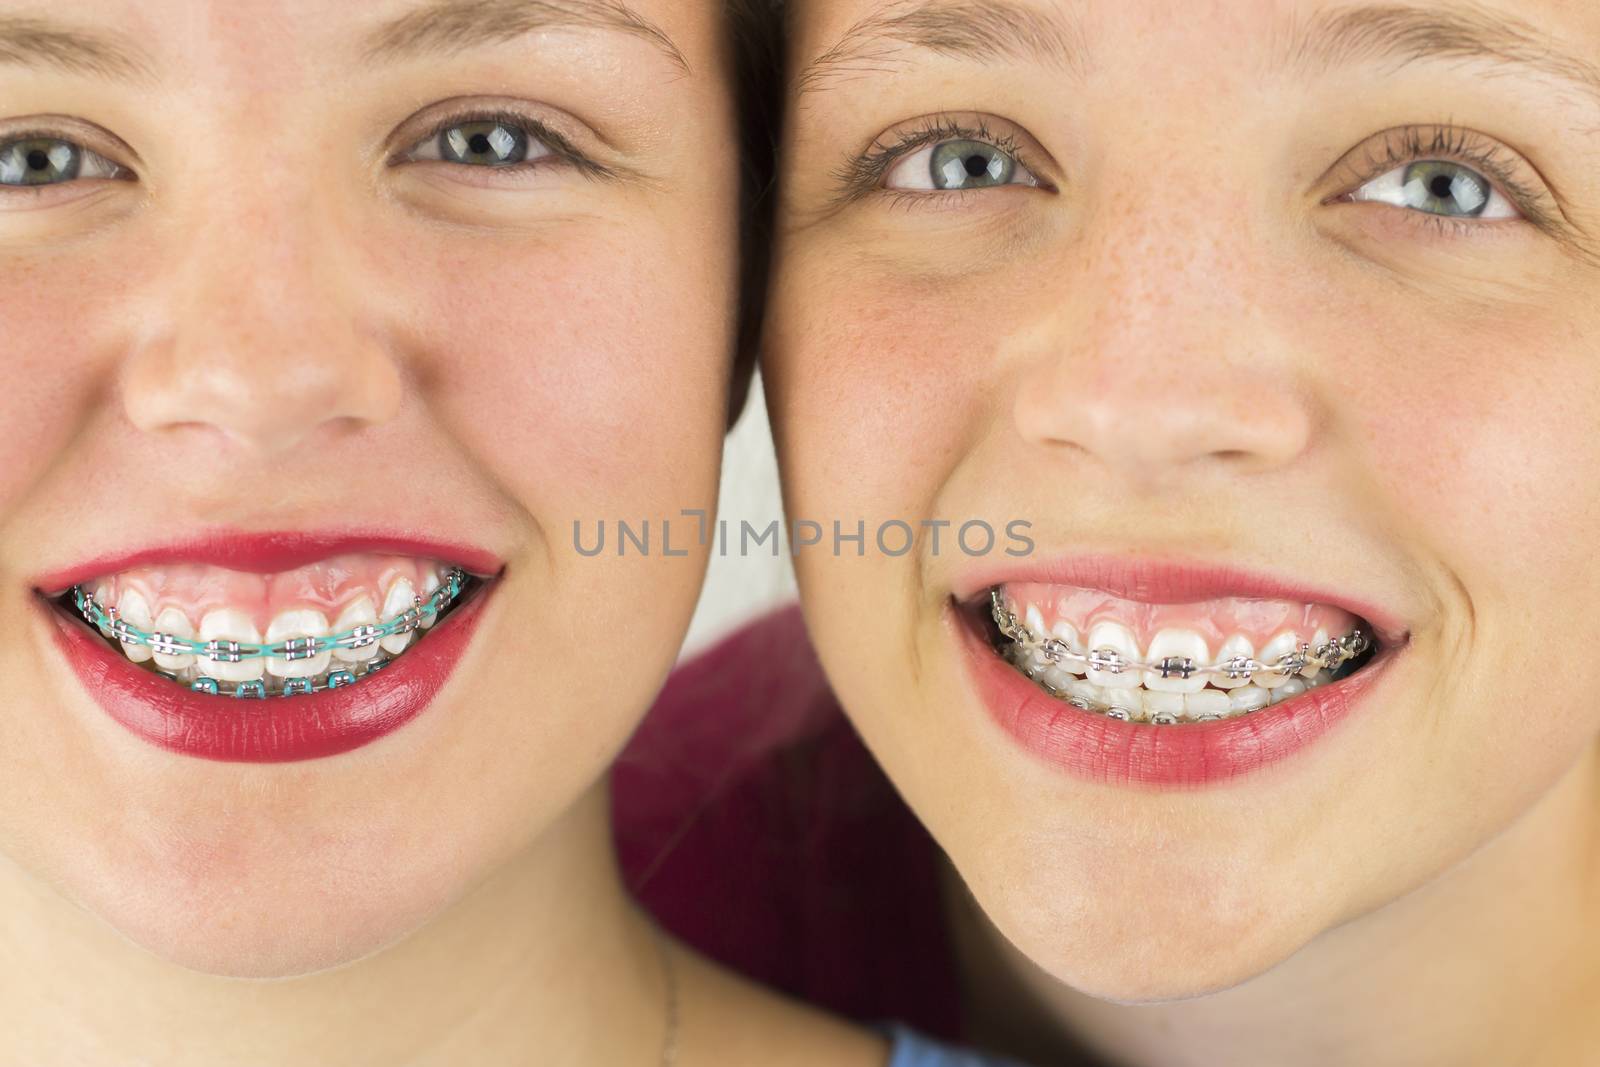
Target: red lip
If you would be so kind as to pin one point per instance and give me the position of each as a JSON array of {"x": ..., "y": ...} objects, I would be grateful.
[
  {"x": 1174, "y": 581},
  {"x": 267, "y": 553},
  {"x": 274, "y": 729},
  {"x": 1187, "y": 755}
]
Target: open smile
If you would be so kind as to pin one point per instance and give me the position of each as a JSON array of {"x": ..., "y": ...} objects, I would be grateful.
[
  {"x": 1179, "y": 680},
  {"x": 238, "y": 649}
]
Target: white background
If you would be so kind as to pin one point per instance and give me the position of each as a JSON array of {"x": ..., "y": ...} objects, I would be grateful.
[{"x": 739, "y": 587}]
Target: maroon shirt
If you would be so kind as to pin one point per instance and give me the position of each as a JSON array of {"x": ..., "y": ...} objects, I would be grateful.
[{"x": 752, "y": 823}]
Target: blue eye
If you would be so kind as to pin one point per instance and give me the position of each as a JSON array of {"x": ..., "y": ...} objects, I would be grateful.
[
  {"x": 483, "y": 143},
  {"x": 1439, "y": 187},
  {"x": 956, "y": 165},
  {"x": 44, "y": 160}
]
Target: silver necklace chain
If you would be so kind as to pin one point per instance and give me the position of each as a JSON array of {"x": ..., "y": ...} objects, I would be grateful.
[{"x": 669, "y": 974}]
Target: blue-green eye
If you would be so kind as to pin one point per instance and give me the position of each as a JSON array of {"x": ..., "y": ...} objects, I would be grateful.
[
  {"x": 956, "y": 165},
  {"x": 485, "y": 143},
  {"x": 42, "y": 160},
  {"x": 1439, "y": 187}
]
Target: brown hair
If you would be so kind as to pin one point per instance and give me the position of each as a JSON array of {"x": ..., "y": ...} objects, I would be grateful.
[{"x": 753, "y": 37}]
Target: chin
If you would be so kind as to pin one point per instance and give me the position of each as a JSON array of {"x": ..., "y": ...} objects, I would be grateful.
[
  {"x": 255, "y": 904},
  {"x": 1158, "y": 936}
]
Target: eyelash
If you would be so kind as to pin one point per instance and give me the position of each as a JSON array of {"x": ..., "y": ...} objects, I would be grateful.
[
  {"x": 40, "y": 133},
  {"x": 863, "y": 175},
  {"x": 1409, "y": 144},
  {"x": 563, "y": 152}
]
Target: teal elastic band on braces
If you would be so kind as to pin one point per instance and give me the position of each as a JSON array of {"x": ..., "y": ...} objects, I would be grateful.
[{"x": 295, "y": 648}]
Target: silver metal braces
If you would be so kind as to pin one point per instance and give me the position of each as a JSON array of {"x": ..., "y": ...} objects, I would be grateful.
[
  {"x": 1328, "y": 656},
  {"x": 294, "y": 648}
]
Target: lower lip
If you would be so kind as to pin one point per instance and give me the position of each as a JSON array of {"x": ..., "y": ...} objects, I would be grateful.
[
  {"x": 1106, "y": 750},
  {"x": 272, "y": 729}
]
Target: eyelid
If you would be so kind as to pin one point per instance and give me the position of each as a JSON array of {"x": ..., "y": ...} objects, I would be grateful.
[
  {"x": 423, "y": 127},
  {"x": 906, "y": 158},
  {"x": 862, "y": 175},
  {"x": 1400, "y": 145},
  {"x": 537, "y": 137},
  {"x": 86, "y": 135}
]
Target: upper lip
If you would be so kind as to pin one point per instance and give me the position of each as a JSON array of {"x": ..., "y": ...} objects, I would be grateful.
[
  {"x": 1176, "y": 580},
  {"x": 268, "y": 552}
]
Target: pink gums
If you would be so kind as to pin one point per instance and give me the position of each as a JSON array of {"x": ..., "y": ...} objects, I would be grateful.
[
  {"x": 1215, "y": 620},
  {"x": 327, "y": 586}
]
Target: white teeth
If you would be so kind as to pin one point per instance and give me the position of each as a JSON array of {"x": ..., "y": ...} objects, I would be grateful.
[
  {"x": 134, "y": 610},
  {"x": 1087, "y": 691},
  {"x": 1235, "y": 645},
  {"x": 174, "y": 622},
  {"x": 297, "y": 622},
  {"x": 1248, "y": 698},
  {"x": 1057, "y": 677},
  {"x": 1129, "y": 700},
  {"x": 1067, "y": 634},
  {"x": 430, "y": 582},
  {"x": 229, "y": 624},
  {"x": 1142, "y": 694},
  {"x": 1035, "y": 619},
  {"x": 1280, "y": 645},
  {"x": 1115, "y": 636},
  {"x": 102, "y": 596},
  {"x": 1291, "y": 687},
  {"x": 1156, "y": 701},
  {"x": 1182, "y": 644},
  {"x": 1206, "y": 702},
  {"x": 1318, "y": 639},
  {"x": 399, "y": 599},
  {"x": 358, "y": 613}
]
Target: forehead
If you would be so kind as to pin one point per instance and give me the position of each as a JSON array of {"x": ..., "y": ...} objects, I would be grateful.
[
  {"x": 1095, "y": 34},
  {"x": 133, "y": 40}
]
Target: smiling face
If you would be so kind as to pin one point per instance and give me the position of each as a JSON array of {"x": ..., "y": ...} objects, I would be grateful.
[
  {"x": 398, "y": 287},
  {"x": 1273, "y": 322}
]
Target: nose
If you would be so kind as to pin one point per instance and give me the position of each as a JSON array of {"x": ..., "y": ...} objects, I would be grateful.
[
  {"x": 1156, "y": 366},
  {"x": 260, "y": 336}
]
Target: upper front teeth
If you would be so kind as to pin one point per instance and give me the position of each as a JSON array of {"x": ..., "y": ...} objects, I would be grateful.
[
  {"x": 1177, "y": 661},
  {"x": 303, "y": 659},
  {"x": 360, "y": 622},
  {"x": 226, "y": 632},
  {"x": 1177, "y": 655},
  {"x": 399, "y": 599},
  {"x": 226, "y": 645}
]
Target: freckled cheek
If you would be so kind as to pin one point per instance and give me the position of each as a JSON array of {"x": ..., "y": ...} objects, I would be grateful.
[
  {"x": 883, "y": 387},
  {"x": 588, "y": 378},
  {"x": 52, "y": 367},
  {"x": 1491, "y": 455}
]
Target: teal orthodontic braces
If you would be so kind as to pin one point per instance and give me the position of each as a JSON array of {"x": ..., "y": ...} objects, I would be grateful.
[
  {"x": 257, "y": 688},
  {"x": 295, "y": 648}
]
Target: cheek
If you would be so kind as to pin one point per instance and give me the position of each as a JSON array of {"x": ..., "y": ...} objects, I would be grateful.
[
  {"x": 1481, "y": 430},
  {"x": 52, "y": 314},
  {"x": 585, "y": 375},
  {"x": 880, "y": 386}
]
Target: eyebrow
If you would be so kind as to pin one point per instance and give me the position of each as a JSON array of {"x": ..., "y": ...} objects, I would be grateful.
[
  {"x": 1402, "y": 33},
  {"x": 30, "y": 41},
  {"x": 1003, "y": 29},
  {"x": 967, "y": 29},
  {"x": 447, "y": 26}
]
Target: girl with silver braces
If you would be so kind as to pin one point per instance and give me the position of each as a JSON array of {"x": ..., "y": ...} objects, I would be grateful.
[{"x": 292, "y": 649}]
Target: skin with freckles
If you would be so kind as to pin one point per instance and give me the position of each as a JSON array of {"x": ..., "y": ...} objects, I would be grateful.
[
  {"x": 1203, "y": 316},
  {"x": 267, "y": 302}
]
